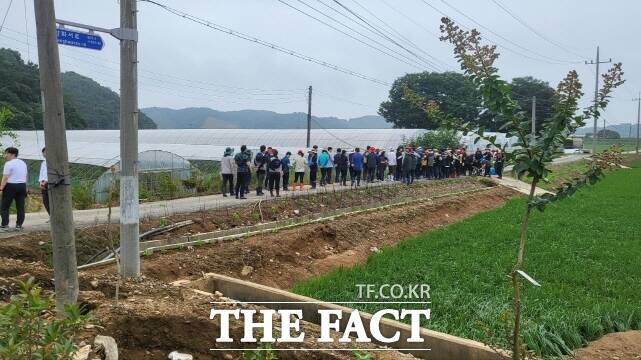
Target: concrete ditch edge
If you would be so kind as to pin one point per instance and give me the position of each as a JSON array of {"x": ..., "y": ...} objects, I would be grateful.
[{"x": 443, "y": 346}]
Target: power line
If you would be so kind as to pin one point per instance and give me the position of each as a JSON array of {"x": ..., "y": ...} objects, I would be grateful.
[
  {"x": 5, "y": 15},
  {"x": 400, "y": 35},
  {"x": 264, "y": 43},
  {"x": 362, "y": 19},
  {"x": 362, "y": 25},
  {"x": 553, "y": 61},
  {"x": 285, "y": 98},
  {"x": 226, "y": 89},
  {"x": 532, "y": 29},
  {"x": 333, "y": 97},
  {"x": 349, "y": 35}
]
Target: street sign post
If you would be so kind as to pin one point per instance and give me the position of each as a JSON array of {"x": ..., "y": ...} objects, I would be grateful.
[{"x": 79, "y": 39}]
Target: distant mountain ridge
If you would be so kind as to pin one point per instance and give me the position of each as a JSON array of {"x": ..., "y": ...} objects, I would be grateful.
[
  {"x": 206, "y": 118},
  {"x": 623, "y": 129}
]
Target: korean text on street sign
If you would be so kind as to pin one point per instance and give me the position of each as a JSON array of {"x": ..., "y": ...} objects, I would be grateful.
[{"x": 79, "y": 39}]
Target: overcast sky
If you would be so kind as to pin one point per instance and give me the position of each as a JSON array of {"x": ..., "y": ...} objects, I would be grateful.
[{"x": 184, "y": 64}]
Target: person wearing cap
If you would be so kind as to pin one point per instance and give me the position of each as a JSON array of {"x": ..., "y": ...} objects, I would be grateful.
[
  {"x": 299, "y": 163},
  {"x": 227, "y": 172}
]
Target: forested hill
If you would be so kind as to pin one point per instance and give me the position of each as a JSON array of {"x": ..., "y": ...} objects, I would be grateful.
[
  {"x": 206, "y": 118},
  {"x": 88, "y": 105},
  {"x": 98, "y": 105}
]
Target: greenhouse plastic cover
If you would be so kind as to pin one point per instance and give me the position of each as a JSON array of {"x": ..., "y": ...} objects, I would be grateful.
[{"x": 102, "y": 147}]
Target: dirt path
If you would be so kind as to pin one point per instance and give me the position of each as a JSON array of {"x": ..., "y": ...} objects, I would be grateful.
[
  {"x": 283, "y": 258},
  {"x": 615, "y": 346}
]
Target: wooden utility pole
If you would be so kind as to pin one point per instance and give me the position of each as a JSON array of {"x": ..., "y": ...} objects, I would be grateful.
[
  {"x": 533, "y": 120},
  {"x": 129, "y": 216},
  {"x": 61, "y": 220},
  {"x": 596, "y": 96},
  {"x": 638, "y": 119},
  {"x": 309, "y": 117}
]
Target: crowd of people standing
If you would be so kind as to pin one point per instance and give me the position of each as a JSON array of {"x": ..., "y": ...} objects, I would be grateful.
[{"x": 326, "y": 166}]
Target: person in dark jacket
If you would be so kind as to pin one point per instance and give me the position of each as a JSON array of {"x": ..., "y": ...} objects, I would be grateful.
[
  {"x": 356, "y": 162},
  {"x": 312, "y": 162},
  {"x": 260, "y": 161},
  {"x": 372, "y": 164},
  {"x": 382, "y": 165},
  {"x": 409, "y": 163},
  {"x": 342, "y": 163},
  {"x": 399, "y": 164},
  {"x": 285, "y": 162},
  {"x": 243, "y": 176},
  {"x": 498, "y": 164},
  {"x": 274, "y": 173}
]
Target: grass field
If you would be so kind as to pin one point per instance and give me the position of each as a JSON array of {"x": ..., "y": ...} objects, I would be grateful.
[
  {"x": 584, "y": 251},
  {"x": 628, "y": 144}
]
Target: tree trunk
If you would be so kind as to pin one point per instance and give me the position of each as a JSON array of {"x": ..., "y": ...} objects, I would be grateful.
[{"x": 516, "y": 301}]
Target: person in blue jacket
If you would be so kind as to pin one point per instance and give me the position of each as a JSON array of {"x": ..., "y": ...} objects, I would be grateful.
[
  {"x": 285, "y": 163},
  {"x": 357, "y": 166},
  {"x": 323, "y": 164}
]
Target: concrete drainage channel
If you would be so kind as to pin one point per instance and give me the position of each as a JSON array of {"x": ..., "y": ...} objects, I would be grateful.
[
  {"x": 442, "y": 346},
  {"x": 148, "y": 247}
]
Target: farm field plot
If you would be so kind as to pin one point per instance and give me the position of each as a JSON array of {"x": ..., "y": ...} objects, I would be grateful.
[{"x": 584, "y": 253}]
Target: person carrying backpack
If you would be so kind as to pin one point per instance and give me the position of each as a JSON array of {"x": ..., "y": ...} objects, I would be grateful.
[
  {"x": 274, "y": 172},
  {"x": 260, "y": 161}
]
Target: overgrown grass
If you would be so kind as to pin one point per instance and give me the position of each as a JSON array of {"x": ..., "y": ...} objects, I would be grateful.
[
  {"x": 561, "y": 173},
  {"x": 584, "y": 251}
]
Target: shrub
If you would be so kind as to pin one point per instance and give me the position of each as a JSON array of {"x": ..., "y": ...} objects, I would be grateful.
[
  {"x": 26, "y": 334},
  {"x": 82, "y": 196}
]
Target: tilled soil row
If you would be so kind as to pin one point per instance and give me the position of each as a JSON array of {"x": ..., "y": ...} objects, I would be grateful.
[
  {"x": 280, "y": 259},
  {"x": 91, "y": 241}
]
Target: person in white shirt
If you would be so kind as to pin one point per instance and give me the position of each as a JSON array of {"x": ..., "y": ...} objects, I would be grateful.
[
  {"x": 44, "y": 182},
  {"x": 227, "y": 172},
  {"x": 391, "y": 164},
  {"x": 13, "y": 187}
]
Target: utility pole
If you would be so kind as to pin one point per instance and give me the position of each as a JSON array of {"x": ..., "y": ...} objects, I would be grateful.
[
  {"x": 129, "y": 216},
  {"x": 596, "y": 95},
  {"x": 638, "y": 119},
  {"x": 309, "y": 117},
  {"x": 61, "y": 220},
  {"x": 533, "y": 120}
]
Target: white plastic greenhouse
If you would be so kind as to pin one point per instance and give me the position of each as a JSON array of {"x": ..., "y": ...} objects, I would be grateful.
[{"x": 101, "y": 147}]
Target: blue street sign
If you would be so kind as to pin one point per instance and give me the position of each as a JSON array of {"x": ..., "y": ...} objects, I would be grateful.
[{"x": 79, "y": 39}]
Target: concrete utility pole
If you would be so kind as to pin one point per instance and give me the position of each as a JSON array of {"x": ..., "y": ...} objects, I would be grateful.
[
  {"x": 596, "y": 95},
  {"x": 129, "y": 222},
  {"x": 638, "y": 119},
  {"x": 61, "y": 220},
  {"x": 533, "y": 120},
  {"x": 309, "y": 116}
]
